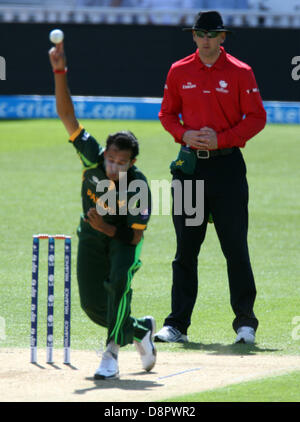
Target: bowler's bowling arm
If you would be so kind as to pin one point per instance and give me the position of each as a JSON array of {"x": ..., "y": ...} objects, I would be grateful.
[{"x": 64, "y": 104}]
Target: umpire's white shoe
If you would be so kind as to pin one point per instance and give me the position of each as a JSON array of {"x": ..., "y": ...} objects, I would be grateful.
[
  {"x": 108, "y": 368},
  {"x": 145, "y": 347},
  {"x": 245, "y": 335},
  {"x": 170, "y": 334}
]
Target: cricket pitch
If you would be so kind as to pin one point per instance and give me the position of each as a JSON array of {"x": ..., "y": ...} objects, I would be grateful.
[{"x": 175, "y": 374}]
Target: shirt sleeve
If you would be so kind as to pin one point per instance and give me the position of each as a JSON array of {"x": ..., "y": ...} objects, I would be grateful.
[
  {"x": 254, "y": 114},
  {"x": 86, "y": 146},
  {"x": 171, "y": 109}
]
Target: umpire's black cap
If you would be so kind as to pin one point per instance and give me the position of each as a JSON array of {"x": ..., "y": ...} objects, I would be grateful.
[{"x": 208, "y": 21}]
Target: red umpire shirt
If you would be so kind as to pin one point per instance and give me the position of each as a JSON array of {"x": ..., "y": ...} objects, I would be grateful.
[{"x": 224, "y": 97}]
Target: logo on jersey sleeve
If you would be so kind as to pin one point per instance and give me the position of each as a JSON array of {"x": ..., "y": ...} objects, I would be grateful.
[
  {"x": 249, "y": 91},
  {"x": 85, "y": 136},
  {"x": 145, "y": 214}
]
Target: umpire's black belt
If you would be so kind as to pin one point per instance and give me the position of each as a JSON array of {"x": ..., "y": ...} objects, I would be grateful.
[{"x": 204, "y": 154}]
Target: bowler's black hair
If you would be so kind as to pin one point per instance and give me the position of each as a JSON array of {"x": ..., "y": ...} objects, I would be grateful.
[{"x": 124, "y": 140}]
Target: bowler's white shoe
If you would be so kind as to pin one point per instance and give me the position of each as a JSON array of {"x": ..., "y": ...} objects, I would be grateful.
[
  {"x": 108, "y": 368},
  {"x": 146, "y": 348},
  {"x": 245, "y": 335}
]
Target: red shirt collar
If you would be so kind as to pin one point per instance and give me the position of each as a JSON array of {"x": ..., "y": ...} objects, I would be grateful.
[{"x": 219, "y": 64}]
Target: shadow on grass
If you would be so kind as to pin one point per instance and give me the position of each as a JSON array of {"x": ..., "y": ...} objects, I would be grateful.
[{"x": 227, "y": 349}]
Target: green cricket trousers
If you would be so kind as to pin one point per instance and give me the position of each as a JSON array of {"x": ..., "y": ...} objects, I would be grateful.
[{"x": 105, "y": 268}]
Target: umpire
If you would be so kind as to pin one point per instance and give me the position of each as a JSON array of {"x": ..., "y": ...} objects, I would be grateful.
[{"x": 218, "y": 101}]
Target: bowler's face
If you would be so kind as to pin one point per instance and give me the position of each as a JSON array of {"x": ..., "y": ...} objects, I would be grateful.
[
  {"x": 117, "y": 161},
  {"x": 209, "y": 47}
]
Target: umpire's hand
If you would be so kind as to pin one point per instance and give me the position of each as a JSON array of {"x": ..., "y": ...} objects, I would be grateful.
[{"x": 204, "y": 139}]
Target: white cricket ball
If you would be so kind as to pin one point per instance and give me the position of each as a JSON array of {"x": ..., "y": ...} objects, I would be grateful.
[{"x": 56, "y": 36}]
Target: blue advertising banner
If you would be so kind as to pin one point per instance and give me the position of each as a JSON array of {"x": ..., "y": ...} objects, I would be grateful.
[
  {"x": 35, "y": 106},
  {"x": 130, "y": 108}
]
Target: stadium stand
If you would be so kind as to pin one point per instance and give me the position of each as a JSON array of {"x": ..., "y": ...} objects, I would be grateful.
[{"x": 252, "y": 13}]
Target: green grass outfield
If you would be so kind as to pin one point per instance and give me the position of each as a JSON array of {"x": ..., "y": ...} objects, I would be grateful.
[
  {"x": 40, "y": 177},
  {"x": 284, "y": 388}
]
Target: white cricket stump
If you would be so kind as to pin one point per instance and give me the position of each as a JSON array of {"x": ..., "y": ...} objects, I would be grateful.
[
  {"x": 49, "y": 354},
  {"x": 33, "y": 355},
  {"x": 67, "y": 355}
]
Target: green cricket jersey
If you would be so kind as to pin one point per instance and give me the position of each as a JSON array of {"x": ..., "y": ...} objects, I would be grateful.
[{"x": 127, "y": 202}]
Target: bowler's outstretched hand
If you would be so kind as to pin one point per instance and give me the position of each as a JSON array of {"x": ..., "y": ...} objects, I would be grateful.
[{"x": 57, "y": 57}]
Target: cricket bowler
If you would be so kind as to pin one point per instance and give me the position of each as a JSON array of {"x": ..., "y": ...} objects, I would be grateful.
[{"x": 110, "y": 244}]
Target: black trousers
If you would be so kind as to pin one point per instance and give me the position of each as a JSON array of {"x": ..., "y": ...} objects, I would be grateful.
[{"x": 226, "y": 198}]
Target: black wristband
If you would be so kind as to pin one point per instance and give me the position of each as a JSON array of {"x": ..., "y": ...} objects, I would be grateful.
[{"x": 125, "y": 234}]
